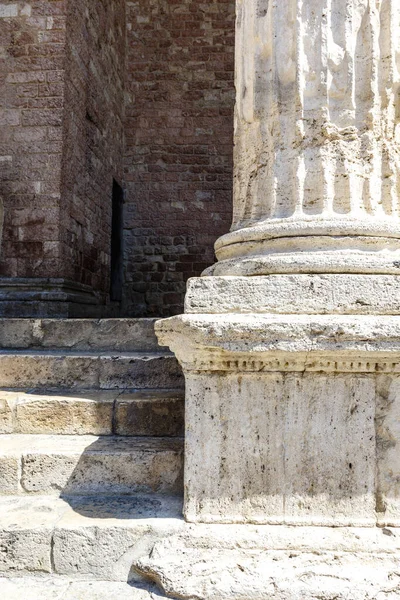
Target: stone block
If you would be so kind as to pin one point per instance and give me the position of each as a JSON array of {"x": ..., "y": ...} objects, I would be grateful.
[
  {"x": 153, "y": 414},
  {"x": 286, "y": 448},
  {"x": 337, "y": 293},
  {"x": 6, "y": 412},
  {"x": 100, "y": 537},
  {"x": 139, "y": 371},
  {"x": 303, "y": 414},
  {"x": 81, "y": 413},
  {"x": 387, "y": 442},
  {"x": 89, "y": 465},
  {"x": 9, "y": 473}
]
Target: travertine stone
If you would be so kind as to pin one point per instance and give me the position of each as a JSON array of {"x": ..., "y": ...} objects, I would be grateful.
[
  {"x": 150, "y": 413},
  {"x": 6, "y": 412},
  {"x": 122, "y": 335},
  {"x": 275, "y": 563},
  {"x": 287, "y": 448},
  {"x": 87, "y": 464},
  {"x": 9, "y": 473},
  {"x": 295, "y": 294},
  {"x": 316, "y": 140},
  {"x": 388, "y": 440},
  {"x": 102, "y": 537},
  {"x": 79, "y": 413},
  {"x": 54, "y": 588},
  {"x": 80, "y": 370},
  {"x": 94, "y": 536},
  {"x": 280, "y": 417}
]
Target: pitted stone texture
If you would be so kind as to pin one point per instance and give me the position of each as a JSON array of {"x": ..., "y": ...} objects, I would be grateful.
[
  {"x": 286, "y": 448},
  {"x": 71, "y": 370},
  {"x": 289, "y": 402},
  {"x": 315, "y": 116},
  {"x": 6, "y": 413},
  {"x": 88, "y": 464},
  {"x": 150, "y": 413},
  {"x": 295, "y": 293},
  {"x": 79, "y": 413},
  {"x": 9, "y": 474},
  {"x": 255, "y": 342},
  {"x": 97, "y": 536},
  {"x": 155, "y": 412},
  {"x": 277, "y": 563},
  {"x": 122, "y": 335},
  {"x": 55, "y": 588},
  {"x": 388, "y": 440}
]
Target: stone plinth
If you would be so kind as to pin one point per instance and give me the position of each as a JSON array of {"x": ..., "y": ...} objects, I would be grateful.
[
  {"x": 280, "y": 417},
  {"x": 47, "y": 297},
  {"x": 290, "y": 343}
]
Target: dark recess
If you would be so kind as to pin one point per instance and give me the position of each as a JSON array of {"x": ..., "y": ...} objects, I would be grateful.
[{"x": 116, "y": 243}]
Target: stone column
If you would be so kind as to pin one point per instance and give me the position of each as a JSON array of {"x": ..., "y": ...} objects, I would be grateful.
[
  {"x": 317, "y": 160},
  {"x": 293, "y": 387}
]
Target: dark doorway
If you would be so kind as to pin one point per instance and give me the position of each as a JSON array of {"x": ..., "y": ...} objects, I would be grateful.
[{"x": 116, "y": 243}]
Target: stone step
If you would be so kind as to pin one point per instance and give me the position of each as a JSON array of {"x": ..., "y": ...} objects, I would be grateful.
[
  {"x": 93, "y": 537},
  {"x": 62, "y": 588},
  {"x": 83, "y": 370},
  {"x": 96, "y": 412},
  {"x": 51, "y": 464},
  {"x": 118, "y": 335}
]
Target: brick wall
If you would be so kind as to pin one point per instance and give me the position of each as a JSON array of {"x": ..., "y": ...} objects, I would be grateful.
[
  {"x": 32, "y": 38},
  {"x": 62, "y": 125},
  {"x": 61, "y": 120},
  {"x": 178, "y": 158},
  {"x": 93, "y": 136}
]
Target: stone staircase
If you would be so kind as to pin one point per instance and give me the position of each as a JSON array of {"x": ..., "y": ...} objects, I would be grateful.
[{"x": 91, "y": 453}]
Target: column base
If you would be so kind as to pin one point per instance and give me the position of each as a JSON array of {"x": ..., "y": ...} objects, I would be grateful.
[
  {"x": 290, "y": 419},
  {"x": 47, "y": 297},
  {"x": 295, "y": 294},
  {"x": 310, "y": 245}
]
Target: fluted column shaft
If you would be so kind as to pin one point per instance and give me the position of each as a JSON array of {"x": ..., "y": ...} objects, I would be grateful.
[{"x": 317, "y": 155}]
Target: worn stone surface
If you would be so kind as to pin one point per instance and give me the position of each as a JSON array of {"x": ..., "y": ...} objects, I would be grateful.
[
  {"x": 289, "y": 402},
  {"x": 315, "y": 115},
  {"x": 97, "y": 536},
  {"x": 155, "y": 412},
  {"x": 149, "y": 413},
  {"x": 90, "y": 464},
  {"x": 80, "y": 370},
  {"x": 85, "y": 413},
  {"x": 126, "y": 335},
  {"x": 6, "y": 413},
  {"x": 56, "y": 588},
  {"x": 304, "y": 564},
  {"x": 295, "y": 294},
  {"x": 292, "y": 448},
  {"x": 9, "y": 474}
]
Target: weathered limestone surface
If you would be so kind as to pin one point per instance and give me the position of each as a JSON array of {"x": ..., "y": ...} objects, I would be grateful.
[
  {"x": 82, "y": 370},
  {"x": 295, "y": 294},
  {"x": 95, "y": 537},
  {"x": 97, "y": 412},
  {"x": 290, "y": 419},
  {"x": 275, "y": 563},
  {"x": 51, "y": 588},
  {"x": 124, "y": 335},
  {"x": 50, "y": 464},
  {"x": 316, "y": 139},
  {"x": 290, "y": 343}
]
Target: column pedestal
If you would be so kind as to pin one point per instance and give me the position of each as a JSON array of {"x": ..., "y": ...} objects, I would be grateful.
[
  {"x": 290, "y": 419},
  {"x": 291, "y": 342}
]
